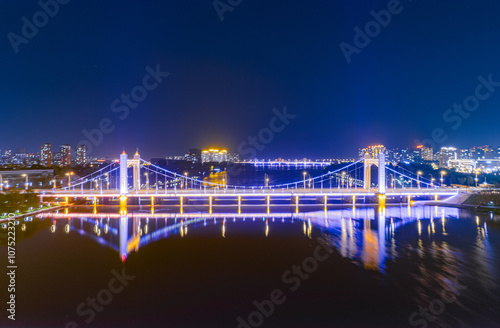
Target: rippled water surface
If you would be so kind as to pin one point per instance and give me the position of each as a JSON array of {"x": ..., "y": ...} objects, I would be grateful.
[{"x": 347, "y": 267}]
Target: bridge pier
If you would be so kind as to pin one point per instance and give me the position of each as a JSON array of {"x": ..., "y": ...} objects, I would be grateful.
[{"x": 381, "y": 199}]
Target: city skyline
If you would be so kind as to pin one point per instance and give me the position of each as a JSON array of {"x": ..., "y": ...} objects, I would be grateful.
[
  {"x": 461, "y": 159},
  {"x": 353, "y": 152}
]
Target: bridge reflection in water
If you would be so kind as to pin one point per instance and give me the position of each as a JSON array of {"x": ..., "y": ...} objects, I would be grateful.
[{"x": 361, "y": 234}]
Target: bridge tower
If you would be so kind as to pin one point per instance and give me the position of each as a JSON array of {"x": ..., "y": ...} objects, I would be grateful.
[
  {"x": 123, "y": 174},
  {"x": 368, "y": 162},
  {"x": 380, "y": 162},
  {"x": 136, "y": 165},
  {"x": 381, "y": 173}
]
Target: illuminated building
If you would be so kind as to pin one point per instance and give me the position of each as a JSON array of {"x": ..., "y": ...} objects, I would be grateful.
[
  {"x": 476, "y": 153},
  {"x": 488, "y": 152},
  {"x": 426, "y": 153},
  {"x": 373, "y": 151},
  {"x": 193, "y": 155},
  {"x": 465, "y": 153},
  {"x": 19, "y": 157},
  {"x": 65, "y": 151},
  {"x": 214, "y": 155},
  {"x": 462, "y": 165},
  {"x": 233, "y": 157},
  {"x": 81, "y": 155},
  {"x": 46, "y": 154},
  {"x": 445, "y": 154}
]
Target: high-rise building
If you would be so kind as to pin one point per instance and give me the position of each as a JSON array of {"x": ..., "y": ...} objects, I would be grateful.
[
  {"x": 214, "y": 155},
  {"x": 465, "y": 153},
  {"x": 488, "y": 152},
  {"x": 19, "y": 157},
  {"x": 476, "y": 153},
  {"x": 193, "y": 155},
  {"x": 445, "y": 154},
  {"x": 426, "y": 153},
  {"x": 405, "y": 156},
  {"x": 46, "y": 154},
  {"x": 233, "y": 157},
  {"x": 65, "y": 151},
  {"x": 372, "y": 150},
  {"x": 81, "y": 155},
  {"x": 497, "y": 152}
]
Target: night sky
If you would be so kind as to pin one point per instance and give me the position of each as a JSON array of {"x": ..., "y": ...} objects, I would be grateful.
[{"x": 225, "y": 77}]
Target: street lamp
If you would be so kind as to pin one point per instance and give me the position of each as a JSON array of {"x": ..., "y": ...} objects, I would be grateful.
[
  {"x": 266, "y": 177},
  {"x": 69, "y": 174},
  {"x": 432, "y": 182},
  {"x": 26, "y": 183},
  {"x": 304, "y": 173},
  {"x": 107, "y": 181},
  {"x": 186, "y": 175},
  {"x": 419, "y": 173},
  {"x": 1, "y": 183},
  {"x": 147, "y": 180},
  {"x": 343, "y": 175},
  {"x": 476, "y": 179},
  {"x": 442, "y": 177},
  {"x": 53, "y": 184}
]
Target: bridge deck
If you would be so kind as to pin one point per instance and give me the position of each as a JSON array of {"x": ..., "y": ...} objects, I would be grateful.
[{"x": 251, "y": 193}]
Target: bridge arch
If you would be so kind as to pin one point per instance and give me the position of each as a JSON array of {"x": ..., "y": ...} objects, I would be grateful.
[{"x": 368, "y": 163}]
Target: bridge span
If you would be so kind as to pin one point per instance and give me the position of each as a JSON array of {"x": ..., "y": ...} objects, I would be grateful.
[{"x": 352, "y": 181}]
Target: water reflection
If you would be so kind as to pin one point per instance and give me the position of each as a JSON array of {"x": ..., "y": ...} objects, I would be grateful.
[{"x": 365, "y": 235}]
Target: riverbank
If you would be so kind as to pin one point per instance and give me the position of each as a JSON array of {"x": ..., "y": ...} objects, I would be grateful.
[
  {"x": 20, "y": 215},
  {"x": 483, "y": 201}
]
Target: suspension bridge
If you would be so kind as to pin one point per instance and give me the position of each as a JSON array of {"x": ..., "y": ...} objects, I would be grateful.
[{"x": 352, "y": 181}]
